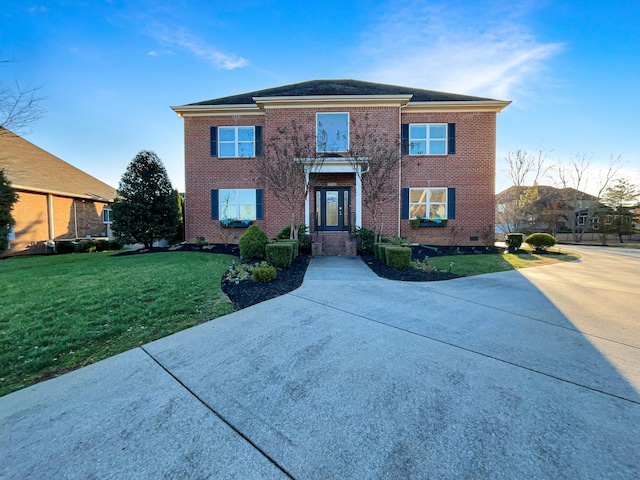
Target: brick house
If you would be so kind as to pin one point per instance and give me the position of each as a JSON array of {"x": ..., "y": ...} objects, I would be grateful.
[
  {"x": 55, "y": 199},
  {"x": 443, "y": 184}
]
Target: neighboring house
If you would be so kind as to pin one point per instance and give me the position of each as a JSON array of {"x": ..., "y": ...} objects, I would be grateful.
[
  {"x": 55, "y": 199},
  {"x": 546, "y": 209},
  {"x": 447, "y": 171}
]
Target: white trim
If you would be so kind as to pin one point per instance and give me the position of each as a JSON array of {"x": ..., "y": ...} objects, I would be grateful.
[{"x": 470, "y": 106}]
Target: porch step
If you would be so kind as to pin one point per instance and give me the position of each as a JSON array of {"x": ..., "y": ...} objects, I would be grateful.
[{"x": 333, "y": 243}]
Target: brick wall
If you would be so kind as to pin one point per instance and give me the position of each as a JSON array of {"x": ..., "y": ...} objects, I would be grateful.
[{"x": 471, "y": 171}]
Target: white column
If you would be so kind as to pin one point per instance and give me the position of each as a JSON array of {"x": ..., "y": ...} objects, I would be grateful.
[
  {"x": 306, "y": 201},
  {"x": 358, "y": 198},
  {"x": 52, "y": 233}
]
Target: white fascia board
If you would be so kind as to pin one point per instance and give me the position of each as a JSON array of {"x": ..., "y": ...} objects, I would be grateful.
[
  {"x": 333, "y": 101},
  {"x": 216, "y": 110},
  {"x": 471, "y": 106}
]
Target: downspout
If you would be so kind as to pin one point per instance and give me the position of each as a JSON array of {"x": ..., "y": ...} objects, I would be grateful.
[
  {"x": 51, "y": 225},
  {"x": 399, "y": 217}
]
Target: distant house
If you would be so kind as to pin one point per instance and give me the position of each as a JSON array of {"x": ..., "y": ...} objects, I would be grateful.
[
  {"x": 442, "y": 189},
  {"x": 55, "y": 199}
]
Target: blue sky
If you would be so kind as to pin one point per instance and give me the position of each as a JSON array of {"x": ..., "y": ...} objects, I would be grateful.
[{"x": 110, "y": 69}]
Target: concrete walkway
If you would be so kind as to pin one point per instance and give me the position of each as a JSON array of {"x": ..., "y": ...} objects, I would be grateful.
[{"x": 352, "y": 376}]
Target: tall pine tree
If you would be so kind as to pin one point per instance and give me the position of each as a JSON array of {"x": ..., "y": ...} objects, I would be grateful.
[{"x": 146, "y": 208}]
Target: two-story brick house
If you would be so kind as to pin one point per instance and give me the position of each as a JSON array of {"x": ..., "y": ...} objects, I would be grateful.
[{"x": 445, "y": 175}]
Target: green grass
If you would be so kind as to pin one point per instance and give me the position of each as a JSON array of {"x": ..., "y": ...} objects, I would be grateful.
[
  {"x": 59, "y": 313},
  {"x": 468, "y": 265}
]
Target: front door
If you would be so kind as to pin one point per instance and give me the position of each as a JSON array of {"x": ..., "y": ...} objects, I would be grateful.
[{"x": 332, "y": 209}]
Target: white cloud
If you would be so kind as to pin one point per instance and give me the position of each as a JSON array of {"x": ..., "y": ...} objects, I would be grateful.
[
  {"x": 182, "y": 39},
  {"x": 471, "y": 48}
]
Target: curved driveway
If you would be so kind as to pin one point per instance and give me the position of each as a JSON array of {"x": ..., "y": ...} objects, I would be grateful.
[{"x": 521, "y": 374}]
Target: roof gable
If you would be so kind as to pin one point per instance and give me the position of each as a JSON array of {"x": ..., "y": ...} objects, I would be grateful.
[{"x": 31, "y": 168}]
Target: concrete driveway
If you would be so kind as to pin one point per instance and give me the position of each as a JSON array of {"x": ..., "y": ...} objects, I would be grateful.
[{"x": 531, "y": 374}]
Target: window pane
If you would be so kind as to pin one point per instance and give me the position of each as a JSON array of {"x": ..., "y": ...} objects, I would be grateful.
[
  {"x": 437, "y": 211},
  {"x": 437, "y": 131},
  {"x": 417, "y": 132},
  {"x": 418, "y": 147},
  {"x": 417, "y": 210},
  {"x": 227, "y": 149},
  {"x": 226, "y": 134},
  {"x": 438, "y": 195},
  {"x": 248, "y": 212},
  {"x": 245, "y": 149},
  {"x": 417, "y": 195},
  {"x": 332, "y": 132},
  {"x": 246, "y": 196},
  {"x": 245, "y": 134},
  {"x": 437, "y": 147},
  {"x": 227, "y": 197}
]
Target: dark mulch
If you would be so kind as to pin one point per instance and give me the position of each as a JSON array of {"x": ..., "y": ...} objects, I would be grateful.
[
  {"x": 248, "y": 292},
  {"x": 406, "y": 275}
]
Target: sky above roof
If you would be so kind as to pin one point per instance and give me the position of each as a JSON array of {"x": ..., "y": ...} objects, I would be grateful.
[{"x": 110, "y": 69}]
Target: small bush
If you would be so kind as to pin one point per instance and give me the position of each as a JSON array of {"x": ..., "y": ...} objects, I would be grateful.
[
  {"x": 365, "y": 238},
  {"x": 382, "y": 247},
  {"x": 65, "y": 247},
  {"x": 295, "y": 244},
  {"x": 87, "y": 246},
  {"x": 285, "y": 233},
  {"x": 102, "y": 245},
  {"x": 398, "y": 257},
  {"x": 541, "y": 241},
  {"x": 264, "y": 273},
  {"x": 280, "y": 254},
  {"x": 253, "y": 242},
  {"x": 514, "y": 241},
  {"x": 116, "y": 245}
]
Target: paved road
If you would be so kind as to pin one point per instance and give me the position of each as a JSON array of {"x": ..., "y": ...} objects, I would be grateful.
[{"x": 532, "y": 374}]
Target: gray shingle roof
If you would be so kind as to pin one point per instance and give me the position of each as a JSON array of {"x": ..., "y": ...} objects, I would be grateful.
[{"x": 341, "y": 87}]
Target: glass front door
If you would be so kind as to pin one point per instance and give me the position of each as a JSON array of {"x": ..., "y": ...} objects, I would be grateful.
[{"x": 332, "y": 208}]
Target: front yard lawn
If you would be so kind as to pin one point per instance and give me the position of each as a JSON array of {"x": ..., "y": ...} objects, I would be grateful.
[{"x": 62, "y": 312}]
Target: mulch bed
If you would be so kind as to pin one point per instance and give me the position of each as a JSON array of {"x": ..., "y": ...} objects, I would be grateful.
[{"x": 406, "y": 275}]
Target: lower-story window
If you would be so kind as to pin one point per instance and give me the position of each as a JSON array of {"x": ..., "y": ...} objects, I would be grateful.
[
  {"x": 428, "y": 203},
  {"x": 236, "y": 204}
]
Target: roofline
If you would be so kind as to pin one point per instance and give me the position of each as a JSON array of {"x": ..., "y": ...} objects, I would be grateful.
[
  {"x": 457, "y": 106},
  {"x": 401, "y": 101},
  {"x": 86, "y": 196}
]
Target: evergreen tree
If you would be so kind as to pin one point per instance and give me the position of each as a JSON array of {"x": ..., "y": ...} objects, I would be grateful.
[
  {"x": 8, "y": 197},
  {"x": 146, "y": 209}
]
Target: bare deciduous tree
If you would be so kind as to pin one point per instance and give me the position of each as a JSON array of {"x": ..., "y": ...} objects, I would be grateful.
[{"x": 20, "y": 107}]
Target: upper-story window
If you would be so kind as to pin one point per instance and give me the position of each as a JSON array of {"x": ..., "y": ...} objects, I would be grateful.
[
  {"x": 236, "y": 141},
  {"x": 428, "y": 139},
  {"x": 332, "y": 132}
]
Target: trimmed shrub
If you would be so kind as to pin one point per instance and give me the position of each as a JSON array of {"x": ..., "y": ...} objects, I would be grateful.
[
  {"x": 252, "y": 243},
  {"x": 541, "y": 241},
  {"x": 116, "y": 245},
  {"x": 295, "y": 245},
  {"x": 102, "y": 245},
  {"x": 365, "y": 238},
  {"x": 376, "y": 250},
  {"x": 264, "y": 273},
  {"x": 285, "y": 233},
  {"x": 514, "y": 241},
  {"x": 279, "y": 254},
  {"x": 65, "y": 247},
  {"x": 398, "y": 257},
  {"x": 382, "y": 247},
  {"x": 87, "y": 246}
]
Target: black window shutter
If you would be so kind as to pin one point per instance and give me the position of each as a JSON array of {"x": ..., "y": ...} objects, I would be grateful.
[
  {"x": 214, "y": 141},
  {"x": 404, "y": 138},
  {"x": 214, "y": 205},
  {"x": 259, "y": 205},
  {"x": 258, "y": 140},
  {"x": 404, "y": 208},
  {"x": 451, "y": 203},
  {"x": 452, "y": 138}
]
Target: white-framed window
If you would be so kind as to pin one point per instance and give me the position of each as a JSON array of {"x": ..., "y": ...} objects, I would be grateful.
[
  {"x": 332, "y": 132},
  {"x": 428, "y": 203},
  {"x": 428, "y": 139},
  {"x": 236, "y": 142},
  {"x": 106, "y": 215},
  {"x": 237, "y": 204}
]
